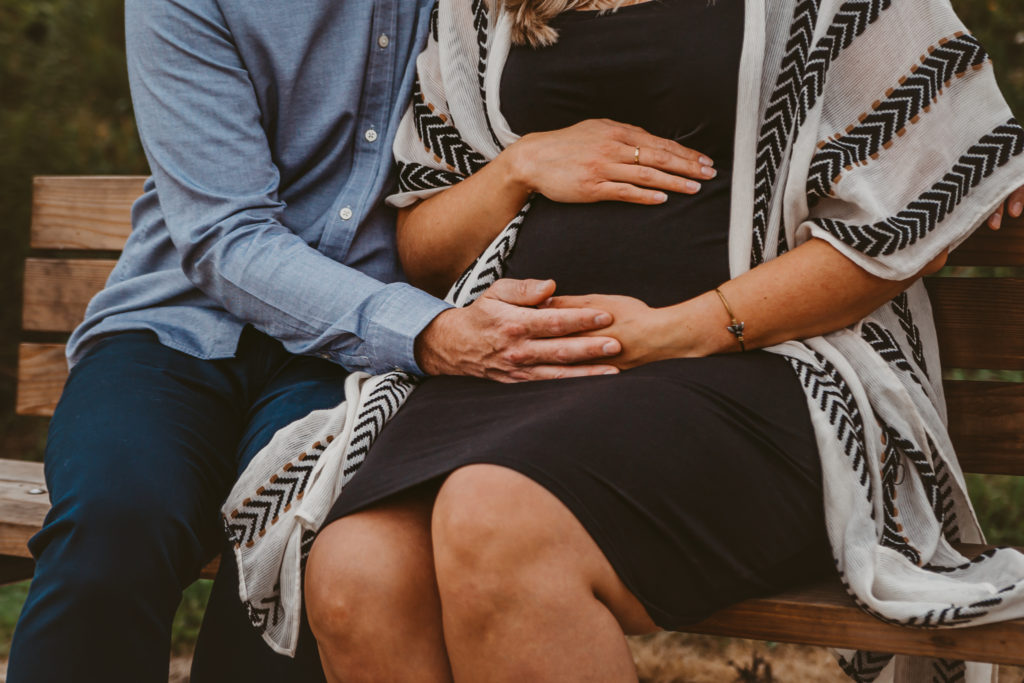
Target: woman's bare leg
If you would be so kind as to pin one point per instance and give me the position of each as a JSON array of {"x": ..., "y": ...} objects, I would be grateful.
[
  {"x": 526, "y": 593},
  {"x": 371, "y": 596}
]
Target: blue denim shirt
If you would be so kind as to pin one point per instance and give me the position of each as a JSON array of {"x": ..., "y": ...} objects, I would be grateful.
[{"x": 268, "y": 129}]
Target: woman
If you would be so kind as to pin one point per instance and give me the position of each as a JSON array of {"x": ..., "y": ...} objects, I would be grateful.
[{"x": 515, "y": 532}]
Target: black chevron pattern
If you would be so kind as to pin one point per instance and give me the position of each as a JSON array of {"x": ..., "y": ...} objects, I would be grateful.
[
  {"x": 922, "y": 215},
  {"x": 780, "y": 118},
  {"x": 481, "y": 24},
  {"x": 892, "y": 531},
  {"x": 433, "y": 20},
  {"x": 798, "y": 87},
  {"x": 823, "y": 383},
  {"x": 949, "y": 671},
  {"x": 250, "y": 521},
  {"x": 960, "y": 567},
  {"x": 944, "y": 618},
  {"x": 922, "y": 467},
  {"x": 916, "y": 92},
  {"x": 305, "y": 545},
  {"x": 945, "y": 508},
  {"x": 886, "y": 346},
  {"x": 441, "y": 138},
  {"x": 901, "y": 307},
  {"x": 268, "y": 612},
  {"x": 412, "y": 177},
  {"x": 379, "y": 407},
  {"x": 864, "y": 667},
  {"x": 496, "y": 263}
]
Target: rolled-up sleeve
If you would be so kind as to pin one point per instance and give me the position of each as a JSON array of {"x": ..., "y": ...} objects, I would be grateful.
[{"x": 206, "y": 142}]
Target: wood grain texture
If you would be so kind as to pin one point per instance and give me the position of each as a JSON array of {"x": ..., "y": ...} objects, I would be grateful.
[
  {"x": 822, "y": 614},
  {"x": 22, "y": 512},
  {"x": 986, "y": 421},
  {"x": 42, "y": 371},
  {"x": 1003, "y": 247},
  {"x": 980, "y": 322},
  {"x": 58, "y": 290},
  {"x": 83, "y": 212}
]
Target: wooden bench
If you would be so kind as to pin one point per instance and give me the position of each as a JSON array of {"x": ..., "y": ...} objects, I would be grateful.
[{"x": 981, "y": 327}]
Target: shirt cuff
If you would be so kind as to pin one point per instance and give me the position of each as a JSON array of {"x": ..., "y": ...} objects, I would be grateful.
[{"x": 401, "y": 315}]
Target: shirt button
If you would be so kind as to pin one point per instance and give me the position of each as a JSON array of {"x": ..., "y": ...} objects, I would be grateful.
[
  {"x": 383, "y": 40},
  {"x": 370, "y": 135},
  {"x": 345, "y": 213}
]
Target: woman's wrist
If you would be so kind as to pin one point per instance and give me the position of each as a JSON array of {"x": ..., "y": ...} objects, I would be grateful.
[
  {"x": 515, "y": 162},
  {"x": 695, "y": 328}
]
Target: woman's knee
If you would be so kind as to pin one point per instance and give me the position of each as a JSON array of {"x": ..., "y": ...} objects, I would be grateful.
[
  {"x": 492, "y": 526},
  {"x": 364, "y": 570},
  {"x": 501, "y": 539}
]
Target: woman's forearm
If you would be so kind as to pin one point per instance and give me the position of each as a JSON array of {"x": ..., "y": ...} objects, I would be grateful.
[
  {"x": 438, "y": 238},
  {"x": 808, "y": 291}
]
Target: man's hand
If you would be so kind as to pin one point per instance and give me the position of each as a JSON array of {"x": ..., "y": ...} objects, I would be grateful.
[
  {"x": 1014, "y": 205},
  {"x": 501, "y": 337}
]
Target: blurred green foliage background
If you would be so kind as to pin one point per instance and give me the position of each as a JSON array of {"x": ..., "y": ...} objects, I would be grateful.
[{"x": 65, "y": 109}]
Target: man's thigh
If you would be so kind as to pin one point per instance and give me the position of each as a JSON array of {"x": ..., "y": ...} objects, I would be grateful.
[
  {"x": 145, "y": 429},
  {"x": 297, "y": 386}
]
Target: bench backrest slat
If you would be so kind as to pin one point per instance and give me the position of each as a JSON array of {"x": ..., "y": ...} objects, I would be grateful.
[
  {"x": 58, "y": 290},
  {"x": 83, "y": 212},
  {"x": 980, "y": 320}
]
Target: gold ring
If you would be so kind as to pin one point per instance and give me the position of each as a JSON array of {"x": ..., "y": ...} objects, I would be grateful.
[{"x": 636, "y": 156}]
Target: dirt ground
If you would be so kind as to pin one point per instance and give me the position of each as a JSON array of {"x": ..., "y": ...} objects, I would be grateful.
[{"x": 684, "y": 658}]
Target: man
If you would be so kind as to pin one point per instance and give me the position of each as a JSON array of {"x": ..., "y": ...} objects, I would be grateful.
[{"x": 261, "y": 269}]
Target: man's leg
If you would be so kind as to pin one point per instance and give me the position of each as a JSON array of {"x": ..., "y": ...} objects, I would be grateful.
[
  {"x": 229, "y": 649},
  {"x": 139, "y": 457}
]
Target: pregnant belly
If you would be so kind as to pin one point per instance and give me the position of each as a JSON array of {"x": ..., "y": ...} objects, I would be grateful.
[{"x": 660, "y": 254}]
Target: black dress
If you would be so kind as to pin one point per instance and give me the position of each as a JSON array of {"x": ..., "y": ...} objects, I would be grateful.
[{"x": 699, "y": 479}]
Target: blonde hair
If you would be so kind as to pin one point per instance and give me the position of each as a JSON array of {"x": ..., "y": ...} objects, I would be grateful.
[{"x": 530, "y": 17}]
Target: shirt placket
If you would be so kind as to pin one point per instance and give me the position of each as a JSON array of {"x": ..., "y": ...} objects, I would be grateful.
[{"x": 369, "y": 160}]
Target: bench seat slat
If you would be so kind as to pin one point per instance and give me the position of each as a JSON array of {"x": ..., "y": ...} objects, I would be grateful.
[
  {"x": 822, "y": 614},
  {"x": 58, "y": 290},
  {"x": 83, "y": 212},
  {"x": 22, "y": 513}
]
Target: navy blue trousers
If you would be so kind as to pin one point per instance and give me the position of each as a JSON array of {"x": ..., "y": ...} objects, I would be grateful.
[{"x": 143, "y": 448}]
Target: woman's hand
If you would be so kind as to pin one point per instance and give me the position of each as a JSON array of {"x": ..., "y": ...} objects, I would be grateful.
[
  {"x": 640, "y": 329},
  {"x": 597, "y": 160},
  {"x": 1014, "y": 205}
]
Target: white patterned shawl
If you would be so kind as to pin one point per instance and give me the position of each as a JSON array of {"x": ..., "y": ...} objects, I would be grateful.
[{"x": 873, "y": 124}]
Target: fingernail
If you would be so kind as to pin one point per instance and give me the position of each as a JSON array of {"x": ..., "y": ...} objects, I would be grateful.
[
  {"x": 995, "y": 222},
  {"x": 706, "y": 161},
  {"x": 660, "y": 197},
  {"x": 708, "y": 172},
  {"x": 543, "y": 286},
  {"x": 602, "y": 319},
  {"x": 610, "y": 348},
  {"x": 1016, "y": 208},
  {"x": 611, "y": 372},
  {"x": 546, "y": 302},
  {"x": 692, "y": 185}
]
